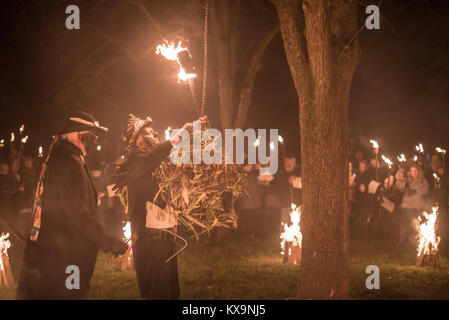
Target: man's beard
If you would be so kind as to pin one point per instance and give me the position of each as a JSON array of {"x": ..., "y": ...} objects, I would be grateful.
[
  {"x": 149, "y": 142},
  {"x": 88, "y": 140}
]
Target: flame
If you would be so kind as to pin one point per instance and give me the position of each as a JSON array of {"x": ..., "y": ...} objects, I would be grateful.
[
  {"x": 439, "y": 150},
  {"x": 436, "y": 177},
  {"x": 171, "y": 53},
  {"x": 415, "y": 158},
  {"x": 40, "y": 153},
  {"x": 127, "y": 231},
  {"x": 419, "y": 148},
  {"x": 428, "y": 241},
  {"x": 12, "y": 137},
  {"x": 375, "y": 144},
  {"x": 280, "y": 139},
  {"x": 292, "y": 233},
  {"x": 5, "y": 244},
  {"x": 402, "y": 158},
  {"x": 257, "y": 142},
  {"x": 2, "y": 143},
  {"x": 272, "y": 146},
  {"x": 24, "y": 139},
  {"x": 387, "y": 161},
  {"x": 167, "y": 133},
  {"x": 99, "y": 148}
]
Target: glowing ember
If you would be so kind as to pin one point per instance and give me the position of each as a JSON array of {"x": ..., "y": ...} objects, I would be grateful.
[
  {"x": 170, "y": 52},
  {"x": 428, "y": 241},
  {"x": 291, "y": 238}
]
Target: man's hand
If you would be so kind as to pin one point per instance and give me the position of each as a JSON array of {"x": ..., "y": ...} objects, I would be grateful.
[
  {"x": 189, "y": 128},
  {"x": 119, "y": 248}
]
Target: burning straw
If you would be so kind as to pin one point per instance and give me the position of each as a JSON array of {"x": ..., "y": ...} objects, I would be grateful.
[
  {"x": 428, "y": 241},
  {"x": 200, "y": 195},
  {"x": 291, "y": 238}
]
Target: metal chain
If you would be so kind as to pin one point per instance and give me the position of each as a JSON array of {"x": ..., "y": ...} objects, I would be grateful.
[{"x": 206, "y": 21}]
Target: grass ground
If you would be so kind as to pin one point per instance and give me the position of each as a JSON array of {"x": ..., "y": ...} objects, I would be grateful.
[{"x": 253, "y": 269}]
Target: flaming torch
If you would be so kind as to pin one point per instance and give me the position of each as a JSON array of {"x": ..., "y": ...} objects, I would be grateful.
[
  {"x": 6, "y": 276},
  {"x": 402, "y": 158},
  {"x": 376, "y": 151},
  {"x": 125, "y": 262},
  {"x": 428, "y": 241},
  {"x": 419, "y": 148},
  {"x": 291, "y": 238},
  {"x": 182, "y": 57}
]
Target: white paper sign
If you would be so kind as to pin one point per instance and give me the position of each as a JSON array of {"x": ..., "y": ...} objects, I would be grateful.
[
  {"x": 372, "y": 187},
  {"x": 111, "y": 193}
]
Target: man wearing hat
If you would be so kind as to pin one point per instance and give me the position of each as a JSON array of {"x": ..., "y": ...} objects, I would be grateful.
[
  {"x": 60, "y": 254},
  {"x": 151, "y": 221}
]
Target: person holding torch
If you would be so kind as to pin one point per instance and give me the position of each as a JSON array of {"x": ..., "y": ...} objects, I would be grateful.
[{"x": 152, "y": 224}]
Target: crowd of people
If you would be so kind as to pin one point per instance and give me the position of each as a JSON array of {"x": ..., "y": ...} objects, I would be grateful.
[
  {"x": 81, "y": 202},
  {"x": 387, "y": 200}
]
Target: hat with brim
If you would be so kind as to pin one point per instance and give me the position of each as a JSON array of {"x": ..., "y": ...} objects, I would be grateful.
[{"x": 82, "y": 121}]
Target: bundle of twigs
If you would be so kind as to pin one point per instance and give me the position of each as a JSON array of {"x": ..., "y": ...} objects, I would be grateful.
[{"x": 201, "y": 195}]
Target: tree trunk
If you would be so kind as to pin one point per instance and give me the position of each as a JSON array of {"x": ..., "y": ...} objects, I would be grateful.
[
  {"x": 322, "y": 55},
  {"x": 226, "y": 43}
]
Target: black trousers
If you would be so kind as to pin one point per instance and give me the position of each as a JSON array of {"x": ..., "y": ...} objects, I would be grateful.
[{"x": 157, "y": 279}]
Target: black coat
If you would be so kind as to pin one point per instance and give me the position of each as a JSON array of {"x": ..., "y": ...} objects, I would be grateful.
[
  {"x": 69, "y": 234},
  {"x": 142, "y": 186}
]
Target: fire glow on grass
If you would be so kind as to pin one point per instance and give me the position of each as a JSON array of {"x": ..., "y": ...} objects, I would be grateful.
[
  {"x": 291, "y": 238},
  {"x": 428, "y": 241},
  {"x": 170, "y": 52}
]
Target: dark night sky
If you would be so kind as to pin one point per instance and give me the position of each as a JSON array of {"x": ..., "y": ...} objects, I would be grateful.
[{"x": 390, "y": 100}]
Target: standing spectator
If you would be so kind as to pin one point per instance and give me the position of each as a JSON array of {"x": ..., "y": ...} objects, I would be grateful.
[
  {"x": 8, "y": 189},
  {"x": 288, "y": 185},
  {"x": 248, "y": 206},
  {"x": 415, "y": 188},
  {"x": 27, "y": 175}
]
